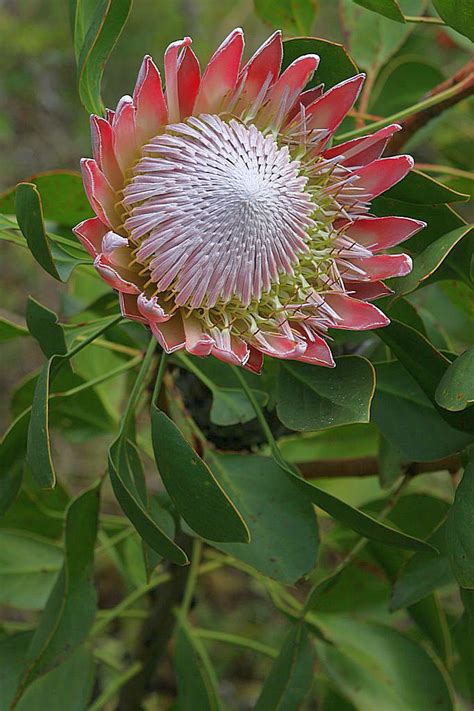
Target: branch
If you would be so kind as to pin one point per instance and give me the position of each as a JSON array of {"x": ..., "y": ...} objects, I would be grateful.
[
  {"x": 369, "y": 466},
  {"x": 463, "y": 80},
  {"x": 155, "y": 634}
]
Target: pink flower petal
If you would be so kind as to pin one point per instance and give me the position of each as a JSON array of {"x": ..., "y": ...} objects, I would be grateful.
[
  {"x": 170, "y": 335},
  {"x": 283, "y": 94},
  {"x": 331, "y": 108},
  {"x": 99, "y": 192},
  {"x": 151, "y": 111},
  {"x": 189, "y": 80},
  {"x": 317, "y": 352},
  {"x": 171, "y": 76},
  {"x": 128, "y": 307},
  {"x": 115, "y": 249},
  {"x": 151, "y": 309},
  {"x": 111, "y": 275},
  {"x": 382, "y": 266},
  {"x": 361, "y": 151},
  {"x": 255, "y": 361},
  {"x": 377, "y": 233},
  {"x": 198, "y": 342},
  {"x": 378, "y": 176},
  {"x": 124, "y": 133},
  {"x": 355, "y": 315},
  {"x": 265, "y": 63},
  {"x": 305, "y": 98},
  {"x": 90, "y": 233},
  {"x": 109, "y": 116},
  {"x": 237, "y": 352},
  {"x": 103, "y": 151},
  {"x": 368, "y": 291},
  {"x": 279, "y": 346},
  {"x": 220, "y": 76}
]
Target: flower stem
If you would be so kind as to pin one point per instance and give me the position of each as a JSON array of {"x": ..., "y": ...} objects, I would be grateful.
[
  {"x": 236, "y": 640},
  {"x": 137, "y": 387},
  {"x": 424, "y": 19},
  {"x": 192, "y": 577},
  {"x": 159, "y": 377}
]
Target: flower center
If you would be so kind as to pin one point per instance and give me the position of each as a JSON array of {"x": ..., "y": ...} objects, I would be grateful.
[{"x": 217, "y": 211}]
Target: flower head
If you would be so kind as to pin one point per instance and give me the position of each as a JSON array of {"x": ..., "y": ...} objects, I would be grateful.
[{"x": 223, "y": 218}]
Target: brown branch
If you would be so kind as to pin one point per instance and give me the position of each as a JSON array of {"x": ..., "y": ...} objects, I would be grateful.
[
  {"x": 155, "y": 633},
  {"x": 369, "y": 466},
  {"x": 464, "y": 79}
]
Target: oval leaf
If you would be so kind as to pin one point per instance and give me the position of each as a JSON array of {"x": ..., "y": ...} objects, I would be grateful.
[
  {"x": 133, "y": 508},
  {"x": 335, "y": 64},
  {"x": 311, "y": 398},
  {"x": 29, "y": 212},
  {"x": 456, "y": 388},
  {"x": 196, "y": 493},
  {"x": 459, "y": 528},
  {"x": 278, "y": 527}
]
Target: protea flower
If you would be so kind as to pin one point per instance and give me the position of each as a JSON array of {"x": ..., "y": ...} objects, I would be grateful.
[{"x": 225, "y": 221}]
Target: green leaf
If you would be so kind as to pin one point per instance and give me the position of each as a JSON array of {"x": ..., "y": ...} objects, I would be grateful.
[
  {"x": 407, "y": 419},
  {"x": 458, "y": 14},
  {"x": 44, "y": 326},
  {"x": 335, "y": 64},
  {"x": 37, "y": 512},
  {"x": 291, "y": 675},
  {"x": 12, "y": 656},
  {"x": 12, "y": 455},
  {"x": 147, "y": 527},
  {"x": 455, "y": 390},
  {"x": 422, "y": 574},
  {"x": 10, "y": 330},
  {"x": 371, "y": 39},
  {"x": 197, "y": 683},
  {"x": 195, "y": 491},
  {"x": 427, "y": 366},
  {"x": 387, "y": 8},
  {"x": 29, "y": 212},
  {"x": 430, "y": 259},
  {"x": 29, "y": 566},
  {"x": 62, "y": 195},
  {"x": 402, "y": 82},
  {"x": 345, "y": 442},
  {"x": 38, "y": 447},
  {"x": 38, "y": 453},
  {"x": 390, "y": 462},
  {"x": 276, "y": 528},
  {"x": 359, "y": 521},
  {"x": 68, "y": 686},
  {"x": 420, "y": 189},
  {"x": 464, "y": 634},
  {"x": 310, "y": 398},
  {"x": 71, "y": 606},
  {"x": 96, "y": 28},
  {"x": 231, "y": 406},
  {"x": 459, "y": 528},
  {"x": 376, "y": 667},
  {"x": 293, "y": 16},
  {"x": 419, "y": 515},
  {"x": 55, "y": 259}
]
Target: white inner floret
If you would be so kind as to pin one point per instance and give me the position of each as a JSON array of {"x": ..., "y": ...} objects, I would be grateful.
[{"x": 217, "y": 211}]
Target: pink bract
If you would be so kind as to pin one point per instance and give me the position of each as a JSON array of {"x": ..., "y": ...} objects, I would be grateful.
[{"x": 224, "y": 220}]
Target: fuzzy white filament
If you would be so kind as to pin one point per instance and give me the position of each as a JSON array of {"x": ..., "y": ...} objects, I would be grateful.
[{"x": 217, "y": 211}]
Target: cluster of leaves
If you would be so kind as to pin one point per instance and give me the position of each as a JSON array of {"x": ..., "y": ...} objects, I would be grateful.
[{"x": 392, "y": 555}]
